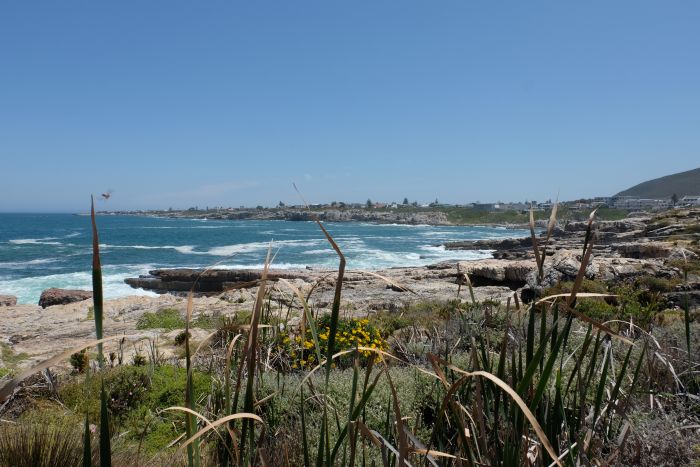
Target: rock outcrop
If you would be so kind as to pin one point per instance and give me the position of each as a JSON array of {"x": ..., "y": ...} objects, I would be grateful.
[
  {"x": 53, "y": 296},
  {"x": 8, "y": 300},
  {"x": 210, "y": 281}
]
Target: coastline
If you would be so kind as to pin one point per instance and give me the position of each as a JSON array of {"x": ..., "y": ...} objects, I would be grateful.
[
  {"x": 623, "y": 251},
  {"x": 432, "y": 216}
]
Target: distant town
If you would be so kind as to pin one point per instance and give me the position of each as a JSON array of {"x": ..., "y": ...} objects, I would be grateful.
[{"x": 629, "y": 203}]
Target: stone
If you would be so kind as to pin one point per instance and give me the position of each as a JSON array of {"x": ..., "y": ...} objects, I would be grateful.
[
  {"x": 54, "y": 296},
  {"x": 8, "y": 300}
]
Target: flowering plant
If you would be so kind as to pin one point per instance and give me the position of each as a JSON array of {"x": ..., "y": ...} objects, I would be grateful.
[{"x": 350, "y": 333}]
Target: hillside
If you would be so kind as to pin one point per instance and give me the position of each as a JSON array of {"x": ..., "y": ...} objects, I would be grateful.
[{"x": 683, "y": 183}]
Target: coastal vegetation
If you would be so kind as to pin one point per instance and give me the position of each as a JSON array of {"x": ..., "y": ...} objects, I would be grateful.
[{"x": 589, "y": 372}]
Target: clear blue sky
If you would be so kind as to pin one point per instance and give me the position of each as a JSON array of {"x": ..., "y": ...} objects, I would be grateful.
[{"x": 182, "y": 103}]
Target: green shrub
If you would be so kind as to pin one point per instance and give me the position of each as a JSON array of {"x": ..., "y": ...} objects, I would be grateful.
[
  {"x": 388, "y": 322},
  {"x": 587, "y": 286},
  {"x": 9, "y": 357},
  {"x": 656, "y": 284},
  {"x": 180, "y": 338},
  {"x": 135, "y": 394},
  {"x": 138, "y": 359},
  {"x": 80, "y": 361},
  {"x": 167, "y": 318},
  {"x": 351, "y": 332},
  {"x": 597, "y": 309}
]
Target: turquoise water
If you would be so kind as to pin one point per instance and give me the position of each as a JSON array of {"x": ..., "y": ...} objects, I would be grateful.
[{"x": 38, "y": 251}]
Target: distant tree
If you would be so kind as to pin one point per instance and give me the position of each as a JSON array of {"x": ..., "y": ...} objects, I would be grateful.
[
  {"x": 674, "y": 198},
  {"x": 334, "y": 204},
  {"x": 281, "y": 204},
  {"x": 415, "y": 203},
  {"x": 405, "y": 201},
  {"x": 368, "y": 203}
]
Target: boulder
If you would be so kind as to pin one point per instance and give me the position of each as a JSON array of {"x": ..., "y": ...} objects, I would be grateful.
[
  {"x": 509, "y": 273},
  {"x": 8, "y": 300},
  {"x": 53, "y": 296}
]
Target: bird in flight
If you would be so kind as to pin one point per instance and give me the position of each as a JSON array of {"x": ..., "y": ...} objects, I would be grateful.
[{"x": 106, "y": 195}]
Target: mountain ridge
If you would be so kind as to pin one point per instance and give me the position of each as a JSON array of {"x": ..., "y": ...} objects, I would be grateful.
[{"x": 680, "y": 184}]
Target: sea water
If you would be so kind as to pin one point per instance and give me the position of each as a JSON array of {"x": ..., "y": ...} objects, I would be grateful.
[{"x": 39, "y": 251}]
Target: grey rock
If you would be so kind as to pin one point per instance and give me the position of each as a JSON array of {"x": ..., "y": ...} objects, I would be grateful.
[
  {"x": 8, "y": 300},
  {"x": 53, "y": 296}
]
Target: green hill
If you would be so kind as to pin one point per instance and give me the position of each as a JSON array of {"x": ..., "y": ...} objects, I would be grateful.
[{"x": 681, "y": 184}]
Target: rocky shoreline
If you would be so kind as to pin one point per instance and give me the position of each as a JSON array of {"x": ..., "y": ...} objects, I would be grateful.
[
  {"x": 304, "y": 215},
  {"x": 622, "y": 251}
]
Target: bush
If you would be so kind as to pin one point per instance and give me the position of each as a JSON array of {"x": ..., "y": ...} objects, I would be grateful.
[
  {"x": 136, "y": 396},
  {"x": 80, "y": 361},
  {"x": 139, "y": 359},
  {"x": 351, "y": 333},
  {"x": 656, "y": 284},
  {"x": 587, "y": 286},
  {"x": 180, "y": 338},
  {"x": 167, "y": 318}
]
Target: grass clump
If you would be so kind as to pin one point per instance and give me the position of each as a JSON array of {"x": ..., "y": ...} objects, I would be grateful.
[
  {"x": 40, "y": 445},
  {"x": 166, "y": 318},
  {"x": 10, "y": 358}
]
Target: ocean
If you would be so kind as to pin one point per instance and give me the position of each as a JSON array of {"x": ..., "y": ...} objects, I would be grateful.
[{"x": 39, "y": 251}]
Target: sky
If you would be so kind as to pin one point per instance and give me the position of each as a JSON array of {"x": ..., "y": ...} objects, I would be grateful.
[{"x": 226, "y": 103}]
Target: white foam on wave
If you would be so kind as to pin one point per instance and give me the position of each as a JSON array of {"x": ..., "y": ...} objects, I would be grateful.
[
  {"x": 228, "y": 250},
  {"x": 185, "y": 227},
  {"x": 224, "y": 250},
  {"x": 443, "y": 254},
  {"x": 43, "y": 240},
  {"x": 184, "y": 249},
  {"x": 21, "y": 264},
  {"x": 35, "y": 241},
  {"x": 273, "y": 265},
  {"x": 410, "y": 226},
  {"x": 28, "y": 289},
  {"x": 320, "y": 251}
]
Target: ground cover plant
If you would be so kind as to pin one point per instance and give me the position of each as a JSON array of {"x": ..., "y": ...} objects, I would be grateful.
[{"x": 583, "y": 375}]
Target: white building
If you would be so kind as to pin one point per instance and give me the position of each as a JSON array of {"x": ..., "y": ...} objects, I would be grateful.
[
  {"x": 690, "y": 200},
  {"x": 627, "y": 202}
]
